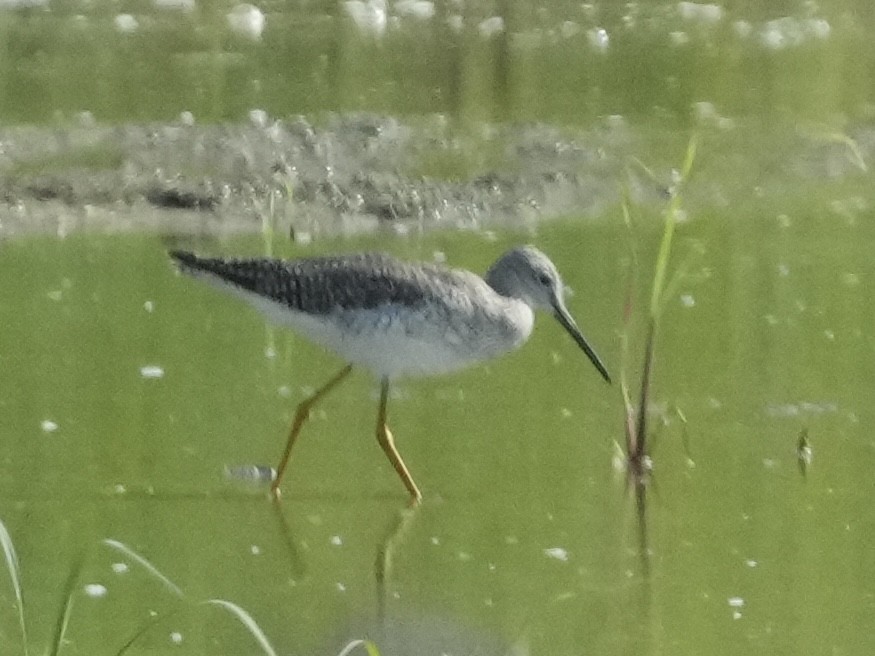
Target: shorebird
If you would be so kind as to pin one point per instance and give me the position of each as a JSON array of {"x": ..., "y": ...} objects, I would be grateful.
[{"x": 394, "y": 318}]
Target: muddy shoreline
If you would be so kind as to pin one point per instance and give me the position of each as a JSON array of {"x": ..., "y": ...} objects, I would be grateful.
[{"x": 352, "y": 174}]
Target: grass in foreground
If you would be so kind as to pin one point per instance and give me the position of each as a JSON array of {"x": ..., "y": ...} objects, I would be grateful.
[{"x": 71, "y": 587}]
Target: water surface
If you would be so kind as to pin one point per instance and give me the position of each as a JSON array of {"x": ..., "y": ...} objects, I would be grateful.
[{"x": 527, "y": 538}]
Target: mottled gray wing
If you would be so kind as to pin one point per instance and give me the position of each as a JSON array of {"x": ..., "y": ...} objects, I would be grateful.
[{"x": 322, "y": 284}]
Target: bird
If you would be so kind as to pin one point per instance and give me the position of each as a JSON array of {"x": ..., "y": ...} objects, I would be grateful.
[{"x": 394, "y": 318}]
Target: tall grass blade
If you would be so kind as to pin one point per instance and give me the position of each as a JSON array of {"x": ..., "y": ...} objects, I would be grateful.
[
  {"x": 644, "y": 399},
  {"x": 246, "y": 620},
  {"x": 636, "y": 437},
  {"x": 15, "y": 576},
  {"x": 368, "y": 646},
  {"x": 671, "y": 219},
  {"x": 69, "y": 590},
  {"x": 628, "y": 311},
  {"x": 145, "y": 564}
]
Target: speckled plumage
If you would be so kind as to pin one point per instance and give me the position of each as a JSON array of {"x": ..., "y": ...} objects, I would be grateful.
[
  {"x": 322, "y": 285},
  {"x": 393, "y": 317}
]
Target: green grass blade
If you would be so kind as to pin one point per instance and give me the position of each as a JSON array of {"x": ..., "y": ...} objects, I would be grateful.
[
  {"x": 368, "y": 646},
  {"x": 689, "y": 157},
  {"x": 69, "y": 590},
  {"x": 671, "y": 218},
  {"x": 246, "y": 620},
  {"x": 15, "y": 576},
  {"x": 145, "y": 564}
]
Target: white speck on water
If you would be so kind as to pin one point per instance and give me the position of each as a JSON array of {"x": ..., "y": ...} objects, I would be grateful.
[
  {"x": 687, "y": 300},
  {"x": 125, "y": 23},
  {"x": 369, "y": 16},
  {"x": 270, "y": 352},
  {"x": 284, "y": 391},
  {"x": 336, "y": 541},
  {"x": 565, "y": 413},
  {"x": 735, "y": 602},
  {"x": 176, "y": 638},
  {"x": 55, "y": 295},
  {"x": 435, "y": 540},
  {"x": 491, "y": 26},
  {"x": 149, "y": 306},
  {"x": 830, "y": 335},
  {"x": 736, "y": 615},
  {"x": 784, "y": 221},
  {"x": 751, "y": 563},
  {"x": 783, "y": 270},
  {"x": 770, "y": 463},
  {"x": 557, "y": 553},
  {"x": 120, "y": 568},
  {"x": 255, "y": 474},
  {"x": 464, "y": 556},
  {"x": 511, "y": 539},
  {"x": 340, "y": 587},
  {"x": 771, "y": 319},
  {"x": 95, "y": 590},
  {"x": 48, "y": 426},
  {"x": 439, "y": 256},
  {"x": 598, "y": 38},
  {"x": 246, "y": 20},
  {"x": 152, "y": 371},
  {"x": 186, "y": 118},
  {"x": 118, "y": 488},
  {"x": 818, "y": 27},
  {"x": 491, "y": 567}
]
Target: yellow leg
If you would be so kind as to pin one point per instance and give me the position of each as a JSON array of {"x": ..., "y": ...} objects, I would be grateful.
[
  {"x": 387, "y": 443},
  {"x": 301, "y": 414}
]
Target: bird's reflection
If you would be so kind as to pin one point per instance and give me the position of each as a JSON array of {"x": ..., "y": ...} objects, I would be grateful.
[{"x": 392, "y": 539}]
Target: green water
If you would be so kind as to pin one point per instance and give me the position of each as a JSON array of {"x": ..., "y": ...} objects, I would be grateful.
[
  {"x": 752, "y": 58},
  {"x": 126, "y": 390},
  {"x": 527, "y": 538}
]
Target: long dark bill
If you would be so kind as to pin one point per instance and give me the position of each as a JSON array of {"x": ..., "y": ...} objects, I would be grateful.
[{"x": 569, "y": 324}]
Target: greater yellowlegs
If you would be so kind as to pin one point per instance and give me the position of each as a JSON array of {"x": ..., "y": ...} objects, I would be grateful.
[{"x": 395, "y": 318}]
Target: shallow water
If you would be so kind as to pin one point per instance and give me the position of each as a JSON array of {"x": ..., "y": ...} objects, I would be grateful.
[
  {"x": 127, "y": 390},
  {"x": 558, "y": 61}
]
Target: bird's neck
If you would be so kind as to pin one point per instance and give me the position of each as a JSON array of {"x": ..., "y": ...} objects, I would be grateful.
[{"x": 500, "y": 285}]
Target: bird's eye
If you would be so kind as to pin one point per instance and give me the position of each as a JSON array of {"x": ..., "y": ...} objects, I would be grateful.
[{"x": 544, "y": 279}]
